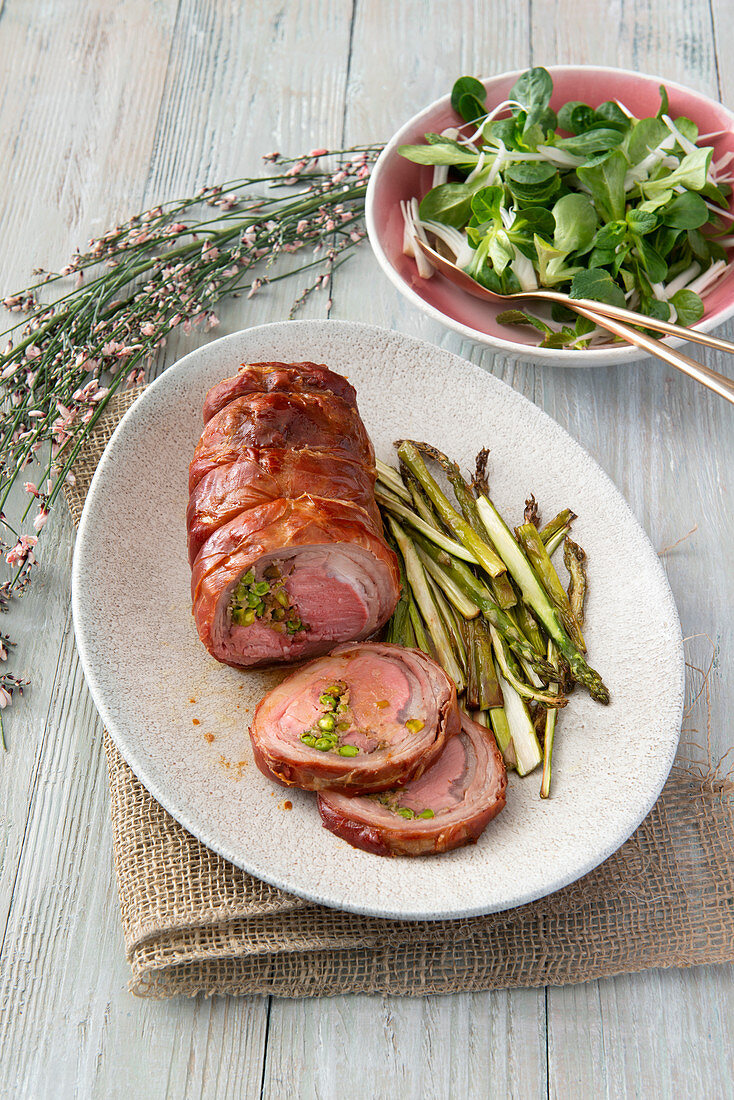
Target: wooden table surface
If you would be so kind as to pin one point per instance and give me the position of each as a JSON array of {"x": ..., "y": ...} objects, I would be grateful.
[{"x": 106, "y": 108}]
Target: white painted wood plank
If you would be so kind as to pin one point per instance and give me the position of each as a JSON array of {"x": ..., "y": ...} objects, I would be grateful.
[
  {"x": 67, "y": 1029},
  {"x": 667, "y": 1033},
  {"x": 474, "y": 1046}
]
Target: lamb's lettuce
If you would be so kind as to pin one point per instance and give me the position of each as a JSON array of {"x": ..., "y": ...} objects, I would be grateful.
[{"x": 593, "y": 201}]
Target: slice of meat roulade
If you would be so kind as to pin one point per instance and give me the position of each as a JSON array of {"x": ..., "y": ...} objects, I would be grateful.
[
  {"x": 321, "y": 421},
  {"x": 268, "y": 377},
  {"x": 264, "y": 474},
  {"x": 448, "y": 805},
  {"x": 290, "y": 579},
  {"x": 365, "y": 718}
]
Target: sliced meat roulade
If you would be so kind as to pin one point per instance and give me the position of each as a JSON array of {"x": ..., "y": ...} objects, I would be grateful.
[
  {"x": 268, "y": 377},
  {"x": 286, "y": 545},
  {"x": 365, "y": 718},
  {"x": 290, "y": 579},
  {"x": 446, "y": 806},
  {"x": 262, "y": 475},
  {"x": 321, "y": 421}
]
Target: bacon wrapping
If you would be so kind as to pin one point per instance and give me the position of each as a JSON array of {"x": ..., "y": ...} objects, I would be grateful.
[{"x": 286, "y": 546}]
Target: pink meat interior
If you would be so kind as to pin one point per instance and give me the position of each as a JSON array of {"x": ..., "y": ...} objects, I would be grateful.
[
  {"x": 443, "y": 786},
  {"x": 336, "y": 590},
  {"x": 380, "y": 692}
]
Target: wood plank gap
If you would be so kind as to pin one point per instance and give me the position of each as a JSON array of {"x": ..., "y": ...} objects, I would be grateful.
[
  {"x": 530, "y": 32},
  {"x": 36, "y": 769},
  {"x": 547, "y": 1039},
  {"x": 350, "y": 51},
  {"x": 265, "y": 1047},
  {"x": 162, "y": 106},
  {"x": 715, "y": 38}
]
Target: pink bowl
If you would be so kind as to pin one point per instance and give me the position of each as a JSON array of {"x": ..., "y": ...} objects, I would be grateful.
[{"x": 395, "y": 178}]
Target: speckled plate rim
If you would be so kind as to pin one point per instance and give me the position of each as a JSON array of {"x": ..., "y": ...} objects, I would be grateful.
[
  {"x": 597, "y": 357},
  {"x": 168, "y": 799}
]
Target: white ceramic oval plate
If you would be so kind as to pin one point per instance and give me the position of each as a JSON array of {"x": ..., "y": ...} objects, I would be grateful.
[{"x": 181, "y": 720}]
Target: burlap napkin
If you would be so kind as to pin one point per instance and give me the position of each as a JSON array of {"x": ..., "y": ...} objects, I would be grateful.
[{"x": 194, "y": 923}]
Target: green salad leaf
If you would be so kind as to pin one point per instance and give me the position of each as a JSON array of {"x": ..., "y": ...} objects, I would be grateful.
[
  {"x": 575, "y": 220},
  {"x": 605, "y": 181},
  {"x": 593, "y": 200},
  {"x": 449, "y": 203},
  {"x": 688, "y": 306},
  {"x": 533, "y": 90},
  {"x": 468, "y": 98},
  {"x": 597, "y": 285}
]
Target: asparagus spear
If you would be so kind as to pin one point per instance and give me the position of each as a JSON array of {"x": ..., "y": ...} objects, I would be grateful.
[
  {"x": 531, "y": 514},
  {"x": 455, "y": 637},
  {"x": 574, "y": 558},
  {"x": 421, "y": 505},
  {"x": 480, "y": 595},
  {"x": 524, "y": 738},
  {"x": 419, "y": 630},
  {"x": 550, "y": 731},
  {"x": 529, "y": 626},
  {"x": 502, "y": 735},
  {"x": 490, "y": 694},
  {"x": 555, "y": 540},
  {"x": 532, "y": 544},
  {"x": 472, "y": 677},
  {"x": 460, "y": 601},
  {"x": 563, "y": 519},
  {"x": 483, "y": 690},
  {"x": 535, "y": 595},
  {"x": 408, "y": 640},
  {"x": 511, "y": 673},
  {"x": 396, "y": 628},
  {"x": 424, "y": 599},
  {"x": 390, "y": 479},
  {"x": 500, "y": 586},
  {"x": 395, "y": 508},
  {"x": 483, "y": 554}
]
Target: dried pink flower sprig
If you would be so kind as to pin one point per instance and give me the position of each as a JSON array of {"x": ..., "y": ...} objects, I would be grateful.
[
  {"x": 9, "y": 684},
  {"x": 163, "y": 269}
]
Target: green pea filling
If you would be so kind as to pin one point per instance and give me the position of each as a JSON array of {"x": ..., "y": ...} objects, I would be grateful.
[
  {"x": 389, "y": 799},
  {"x": 266, "y": 601},
  {"x": 331, "y": 722}
]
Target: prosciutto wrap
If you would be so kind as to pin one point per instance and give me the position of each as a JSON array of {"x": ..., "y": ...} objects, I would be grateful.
[
  {"x": 273, "y": 377},
  {"x": 445, "y": 806},
  {"x": 366, "y": 718},
  {"x": 262, "y": 475},
  {"x": 285, "y": 540}
]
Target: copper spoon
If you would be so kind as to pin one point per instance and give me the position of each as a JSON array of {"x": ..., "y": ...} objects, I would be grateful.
[{"x": 611, "y": 318}]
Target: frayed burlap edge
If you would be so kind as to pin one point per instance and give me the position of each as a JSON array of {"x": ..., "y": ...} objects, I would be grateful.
[{"x": 194, "y": 923}]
